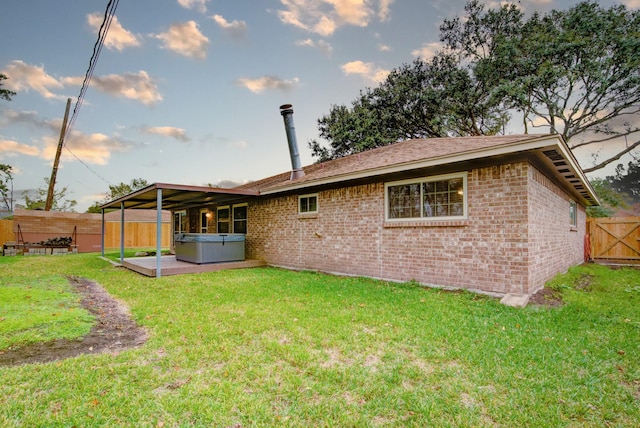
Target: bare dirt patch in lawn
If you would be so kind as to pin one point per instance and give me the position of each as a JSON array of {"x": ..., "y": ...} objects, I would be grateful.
[
  {"x": 546, "y": 297},
  {"x": 114, "y": 331}
]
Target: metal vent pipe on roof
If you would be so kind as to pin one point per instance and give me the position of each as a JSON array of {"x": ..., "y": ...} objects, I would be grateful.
[{"x": 287, "y": 113}]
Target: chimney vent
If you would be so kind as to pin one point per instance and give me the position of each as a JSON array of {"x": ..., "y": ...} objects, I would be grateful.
[{"x": 296, "y": 168}]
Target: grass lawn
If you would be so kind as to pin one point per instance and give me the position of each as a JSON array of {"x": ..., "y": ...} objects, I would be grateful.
[{"x": 269, "y": 347}]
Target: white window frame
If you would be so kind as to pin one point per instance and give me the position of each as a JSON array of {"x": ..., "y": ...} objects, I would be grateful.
[
  {"x": 573, "y": 213},
  {"x": 226, "y": 207},
  {"x": 233, "y": 217},
  {"x": 204, "y": 225},
  {"x": 308, "y": 196},
  {"x": 420, "y": 181},
  {"x": 182, "y": 215}
]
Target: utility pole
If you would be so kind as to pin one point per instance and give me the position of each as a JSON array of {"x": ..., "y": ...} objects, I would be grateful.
[{"x": 54, "y": 171}]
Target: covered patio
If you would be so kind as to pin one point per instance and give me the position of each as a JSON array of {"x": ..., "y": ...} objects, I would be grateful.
[{"x": 172, "y": 197}]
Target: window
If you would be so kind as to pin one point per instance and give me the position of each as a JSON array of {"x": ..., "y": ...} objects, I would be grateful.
[
  {"x": 235, "y": 224},
  {"x": 179, "y": 222},
  {"x": 205, "y": 215},
  {"x": 240, "y": 219},
  {"x": 223, "y": 220},
  {"x": 308, "y": 204},
  {"x": 573, "y": 214},
  {"x": 441, "y": 197}
]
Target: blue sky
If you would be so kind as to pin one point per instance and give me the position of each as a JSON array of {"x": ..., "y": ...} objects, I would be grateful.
[{"x": 187, "y": 91}]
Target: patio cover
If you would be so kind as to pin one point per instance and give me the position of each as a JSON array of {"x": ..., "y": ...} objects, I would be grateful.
[{"x": 172, "y": 197}]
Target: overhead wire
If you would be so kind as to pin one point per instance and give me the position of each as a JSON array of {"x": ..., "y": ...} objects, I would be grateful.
[{"x": 109, "y": 13}]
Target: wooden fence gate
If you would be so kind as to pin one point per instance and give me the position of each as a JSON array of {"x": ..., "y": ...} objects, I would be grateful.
[{"x": 616, "y": 238}]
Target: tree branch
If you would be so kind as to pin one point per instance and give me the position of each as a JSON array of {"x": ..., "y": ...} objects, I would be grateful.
[{"x": 612, "y": 159}]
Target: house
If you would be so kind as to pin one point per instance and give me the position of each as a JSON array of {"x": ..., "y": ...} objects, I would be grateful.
[{"x": 494, "y": 214}]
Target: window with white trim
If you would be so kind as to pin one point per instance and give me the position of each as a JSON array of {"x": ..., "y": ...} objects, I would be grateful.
[
  {"x": 179, "y": 221},
  {"x": 240, "y": 218},
  {"x": 573, "y": 214},
  {"x": 441, "y": 197},
  {"x": 308, "y": 204},
  {"x": 205, "y": 215},
  {"x": 232, "y": 219},
  {"x": 222, "y": 219}
]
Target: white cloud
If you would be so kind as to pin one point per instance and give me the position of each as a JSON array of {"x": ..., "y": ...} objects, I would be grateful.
[
  {"x": 385, "y": 9},
  {"x": 10, "y": 148},
  {"x": 239, "y": 144},
  {"x": 366, "y": 70},
  {"x": 185, "y": 39},
  {"x": 167, "y": 131},
  {"x": 384, "y": 48},
  {"x": 427, "y": 50},
  {"x": 25, "y": 77},
  {"x": 199, "y": 5},
  {"x": 631, "y": 4},
  {"x": 237, "y": 29},
  {"x": 135, "y": 86},
  {"x": 117, "y": 38},
  {"x": 12, "y": 117},
  {"x": 321, "y": 45},
  {"x": 91, "y": 148},
  {"x": 264, "y": 83},
  {"x": 325, "y": 16}
]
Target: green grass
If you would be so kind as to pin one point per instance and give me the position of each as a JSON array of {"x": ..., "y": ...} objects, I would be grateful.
[
  {"x": 268, "y": 347},
  {"x": 39, "y": 309}
]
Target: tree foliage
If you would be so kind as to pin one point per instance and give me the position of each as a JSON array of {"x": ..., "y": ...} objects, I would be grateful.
[
  {"x": 5, "y": 94},
  {"x": 610, "y": 199},
  {"x": 627, "y": 181},
  {"x": 60, "y": 203},
  {"x": 117, "y": 191},
  {"x": 6, "y": 186},
  {"x": 574, "y": 72},
  {"x": 435, "y": 98}
]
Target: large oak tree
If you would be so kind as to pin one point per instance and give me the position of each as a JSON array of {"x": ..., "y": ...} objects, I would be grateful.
[{"x": 574, "y": 72}]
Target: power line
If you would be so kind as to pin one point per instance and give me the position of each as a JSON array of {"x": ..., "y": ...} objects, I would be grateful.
[
  {"x": 109, "y": 13},
  {"x": 97, "y": 48}
]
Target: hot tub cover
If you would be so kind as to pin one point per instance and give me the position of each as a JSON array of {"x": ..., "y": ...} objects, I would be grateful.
[{"x": 210, "y": 237}]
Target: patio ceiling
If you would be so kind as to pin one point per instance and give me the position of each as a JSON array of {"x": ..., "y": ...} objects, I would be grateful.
[{"x": 177, "y": 197}]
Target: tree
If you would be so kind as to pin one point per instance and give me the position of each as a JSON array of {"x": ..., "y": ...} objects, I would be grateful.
[
  {"x": 576, "y": 72},
  {"x": 626, "y": 182},
  {"x": 60, "y": 203},
  {"x": 117, "y": 191},
  {"x": 5, "y": 94},
  {"x": 436, "y": 98},
  {"x": 610, "y": 199},
  {"x": 6, "y": 186}
]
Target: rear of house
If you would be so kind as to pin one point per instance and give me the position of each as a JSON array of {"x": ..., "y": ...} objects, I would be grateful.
[{"x": 490, "y": 214}]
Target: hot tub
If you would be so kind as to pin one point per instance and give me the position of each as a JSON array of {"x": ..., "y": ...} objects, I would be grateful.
[{"x": 209, "y": 247}]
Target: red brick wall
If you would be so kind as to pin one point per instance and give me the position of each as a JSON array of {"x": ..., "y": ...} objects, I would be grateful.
[
  {"x": 492, "y": 251},
  {"x": 554, "y": 244}
]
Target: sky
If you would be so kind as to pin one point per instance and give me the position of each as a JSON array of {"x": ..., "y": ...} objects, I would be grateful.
[{"x": 188, "y": 91}]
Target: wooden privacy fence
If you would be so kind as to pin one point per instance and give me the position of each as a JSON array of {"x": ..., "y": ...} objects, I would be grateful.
[
  {"x": 38, "y": 226},
  {"x": 616, "y": 238},
  {"x": 6, "y": 231},
  {"x": 136, "y": 235}
]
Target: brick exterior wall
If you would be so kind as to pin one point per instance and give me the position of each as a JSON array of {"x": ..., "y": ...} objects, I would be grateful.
[
  {"x": 554, "y": 244},
  {"x": 508, "y": 244}
]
